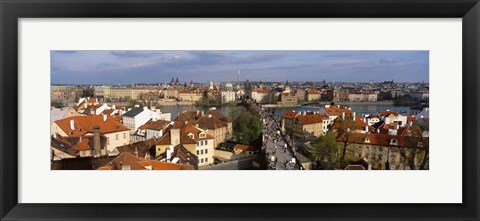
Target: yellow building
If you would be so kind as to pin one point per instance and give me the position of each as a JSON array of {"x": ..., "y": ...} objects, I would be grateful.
[
  {"x": 62, "y": 93},
  {"x": 186, "y": 95},
  {"x": 213, "y": 122},
  {"x": 377, "y": 149},
  {"x": 313, "y": 96},
  {"x": 304, "y": 124},
  {"x": 137, "y": 91},
  {"x": 120, "y": 93},
  {"x": 116, "y": 134},
  {"x": 194, "y": 139},
  {"x": 244, "y": 150}
]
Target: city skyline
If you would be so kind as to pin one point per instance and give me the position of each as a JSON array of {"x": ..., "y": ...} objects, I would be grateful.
[{"x": 130, "y": 67}]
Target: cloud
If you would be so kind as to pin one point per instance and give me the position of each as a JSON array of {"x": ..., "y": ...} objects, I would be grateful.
[
  {"x": 65, "y": 52},
  {"x": 105, "y": 65},
  {"x": 134, "y": 54},
  {"x": 201, "y": 66}
]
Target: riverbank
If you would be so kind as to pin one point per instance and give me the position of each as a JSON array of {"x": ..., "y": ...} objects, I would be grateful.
[
  {"x": 176, "y": 103},
  {"x": 342, "y": 103}
]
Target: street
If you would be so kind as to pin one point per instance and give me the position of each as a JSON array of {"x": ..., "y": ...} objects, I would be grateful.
[{"x": 279, "y": 155}]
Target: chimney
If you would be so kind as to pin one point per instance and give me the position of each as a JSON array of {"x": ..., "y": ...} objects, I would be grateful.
[
  {"x": 203, "y": 113},
  {"x": 80, "y": 139},
  {"x": 169, "y": 152},
  {"x": 198, "y": 112},
  {"x": 366, "y": 128},
  {"x": 129, "y": 109},
  {"x": 145, "y": 108},
  {"x": 96, "y": 141},
  {"x": 136, "y": 105},
  {"x": 343, "y": 115},
  {"x": 152, "y": 107},
  {"x": 104, "y": 117},
  {"x": 411, "y": 123},
  {"x": 72, "y": 124},
  {"x": 174, "y": 136},
  {"x": 209, "y": 116},
  {"x": 353, "y": 116},
  {"x": 378, "y": 131},
  {"x": 338, "y": 105},
  {"x": 114, "y": 106}
]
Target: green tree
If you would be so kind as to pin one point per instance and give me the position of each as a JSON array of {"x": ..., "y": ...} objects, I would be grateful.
[
  {"x": 149, "y": 99},
  {"x": 324, "y": 151},
  {"x": 346, "y": 126},
  {"x": 57, "y": 104},
  {"x": 235, "y": 112},
  {"x": 132, "y": 103},
  {"x": 247, "y": 128},
  {"x": 418, "y": 147}
]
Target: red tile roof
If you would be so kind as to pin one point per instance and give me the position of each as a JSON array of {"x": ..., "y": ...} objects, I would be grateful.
[
  {"x": 85, "y": 124},
  {"x": 135, "y": 163},
  {"x": 244, "y": 147},
  {"x": 261, "y": 91},
  {"x": 311, "y": 118},
  {"x": 336, "y": 111},
  {"x": 210, "y": 123},
  {"x": 155, "y": 125},
  {"x": 388, "y": 113},
  {"x": 379, "y": 139},
  {"x": 72, "y": 145},
  {"x": 290, "y": 115}
]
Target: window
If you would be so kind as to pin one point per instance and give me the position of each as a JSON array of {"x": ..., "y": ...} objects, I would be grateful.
[
  {"x": 201, "y": 142},
  {"x": 116, "y": 136},
  {"x": 206, "y": 151},
  {"x": 206, "y": 160},
  {"x": 206, "y": 142},
  {"x": 201, "y": 160},
  {"x": 124, "y": 135},
  {"x": 197, "y": 143},
  {"x": 201, "y": 151},
  {"x": 198, "y": 152}
]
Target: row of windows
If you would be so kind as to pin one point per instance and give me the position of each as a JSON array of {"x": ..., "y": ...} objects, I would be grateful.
[
  {"x": 116, "y": 136},
  {"x": 201, "y": 143},
  {"x": 202, "y": 160},
  {"x": 205, "y": 151}
]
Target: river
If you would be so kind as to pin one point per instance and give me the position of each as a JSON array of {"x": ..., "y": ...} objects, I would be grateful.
[{"x": 359, "y": 109}]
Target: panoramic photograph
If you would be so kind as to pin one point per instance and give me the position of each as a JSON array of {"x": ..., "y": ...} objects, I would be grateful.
[{"x": 239, "y": 110}]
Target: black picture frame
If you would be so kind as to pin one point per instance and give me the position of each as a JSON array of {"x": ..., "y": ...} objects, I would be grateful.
[{"x": 11, "y": 11}]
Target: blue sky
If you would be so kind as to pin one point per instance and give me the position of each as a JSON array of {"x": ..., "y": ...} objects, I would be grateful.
[{"x": 127, "y": 67}]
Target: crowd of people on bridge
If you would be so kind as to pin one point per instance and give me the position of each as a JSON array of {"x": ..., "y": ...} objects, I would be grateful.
[{"x": 278, "y": 154}]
